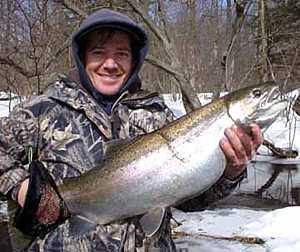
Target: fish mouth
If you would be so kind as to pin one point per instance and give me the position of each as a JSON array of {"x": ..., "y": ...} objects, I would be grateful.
[
  {"x": 271, "y": 106},
  {"x": 273, "y": 97},
  {"x": 265, "y": 117},
  {"x": 276, "y": 103}
]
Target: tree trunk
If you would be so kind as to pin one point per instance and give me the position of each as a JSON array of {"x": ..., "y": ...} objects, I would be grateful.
[
  {"x": 264, "y": 42},
  {"x": 172, "y": 62}
]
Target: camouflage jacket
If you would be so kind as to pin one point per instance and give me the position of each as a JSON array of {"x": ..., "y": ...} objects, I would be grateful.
[{"x": 68, "y": 131}]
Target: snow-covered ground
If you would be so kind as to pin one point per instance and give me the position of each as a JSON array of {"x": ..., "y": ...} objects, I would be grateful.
[
  {"x": 7, "y": 105},
  {"x": 230, "y": 228},
  {"x": 238, "y": 230}
]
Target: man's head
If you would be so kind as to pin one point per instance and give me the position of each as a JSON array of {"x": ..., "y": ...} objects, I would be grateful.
[
  {"x": 108, "y": 59},
  {"x": 125, "y": 44}
]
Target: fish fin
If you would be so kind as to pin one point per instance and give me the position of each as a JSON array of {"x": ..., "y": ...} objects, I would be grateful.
[
  {"x": 79, "y": 225},
  {"x": 152, "y": 221}
]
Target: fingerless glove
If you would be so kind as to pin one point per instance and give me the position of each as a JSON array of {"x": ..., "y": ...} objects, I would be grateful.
[{"x": 44, "y": 208}]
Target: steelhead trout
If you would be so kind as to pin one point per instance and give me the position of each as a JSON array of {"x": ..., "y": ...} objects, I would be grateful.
[{"x": 172, "y": 164}]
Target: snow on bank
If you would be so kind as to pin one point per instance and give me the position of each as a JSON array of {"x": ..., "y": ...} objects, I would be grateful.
[
  {"x": 279, "y": 229},
  {"x": 7, "y": 102},
  {"x": 215, "y": 223}
]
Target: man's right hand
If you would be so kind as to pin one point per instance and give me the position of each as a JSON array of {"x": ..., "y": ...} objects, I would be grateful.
[{"x": 48, "y": 210}]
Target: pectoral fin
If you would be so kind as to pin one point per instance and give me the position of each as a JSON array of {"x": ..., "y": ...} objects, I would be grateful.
[
  {"x": 80, "y": 225},
  {"x": 152, "y": 221}
]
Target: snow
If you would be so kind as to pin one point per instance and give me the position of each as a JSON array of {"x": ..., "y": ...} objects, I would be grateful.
[
  {"x": 7, "y": 105},
  {"x": 278, "y": 228},
  {"x": 174, "y": 102},
  {"x": 217, "y": 223}
]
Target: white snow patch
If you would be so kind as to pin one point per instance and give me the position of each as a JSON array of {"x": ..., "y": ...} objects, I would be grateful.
[{"x": 280, "y": 228}]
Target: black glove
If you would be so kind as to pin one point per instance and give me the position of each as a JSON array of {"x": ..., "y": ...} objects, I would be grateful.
[{"x": 44, "y": 208}]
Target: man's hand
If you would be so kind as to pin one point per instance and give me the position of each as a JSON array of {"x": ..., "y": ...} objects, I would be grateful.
[
  {"x": 239, "y": 147},
  {"x": 49, "y": 206},
  {"x": 42, "y": 208}
]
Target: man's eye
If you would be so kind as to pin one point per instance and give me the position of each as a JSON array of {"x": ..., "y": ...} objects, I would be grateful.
[
  {"x": 97, "y": 52},
  {"x": 123, "y": 54}
]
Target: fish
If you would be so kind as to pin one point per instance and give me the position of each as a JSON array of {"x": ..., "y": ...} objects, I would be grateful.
[{"x": 172, "y": 164}]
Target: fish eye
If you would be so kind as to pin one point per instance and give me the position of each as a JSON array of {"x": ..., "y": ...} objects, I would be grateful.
[{"x": 256, "y": 93}]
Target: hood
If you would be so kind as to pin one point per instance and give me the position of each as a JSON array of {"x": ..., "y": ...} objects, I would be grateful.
[{"x": 105, "y": 18}]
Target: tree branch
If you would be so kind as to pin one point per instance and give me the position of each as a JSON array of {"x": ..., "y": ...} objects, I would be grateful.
[
  {"x": 157, "y": 32},
  {"x": 58, "y": 52},
  {"x": 160, "y": 64},
  {"x": 68, "y": 4},
  {"x": 241, "y": 12},
  {"x": 18, "y": 68}
]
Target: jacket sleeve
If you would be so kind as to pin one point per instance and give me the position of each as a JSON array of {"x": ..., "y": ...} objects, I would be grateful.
[
  {"x": 17, "y": 133},
  {"x": 74, "y": 234}
]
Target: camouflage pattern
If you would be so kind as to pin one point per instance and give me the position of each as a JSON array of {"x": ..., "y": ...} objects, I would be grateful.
[{"x": 68, "y": 131}]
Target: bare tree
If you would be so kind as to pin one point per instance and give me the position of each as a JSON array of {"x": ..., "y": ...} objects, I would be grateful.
[
  {"x": 35, "y": 45},
  {"x": 170, "y": 63},
  {"x": 196, "y": 46},
  {"x": 264, "y": 41}
]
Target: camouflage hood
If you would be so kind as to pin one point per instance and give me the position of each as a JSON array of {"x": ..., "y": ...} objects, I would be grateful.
[{"x": 109, "y": 19}]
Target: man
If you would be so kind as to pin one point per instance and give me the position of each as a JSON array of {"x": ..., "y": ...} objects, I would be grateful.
[{"x": 67, "y": 130}]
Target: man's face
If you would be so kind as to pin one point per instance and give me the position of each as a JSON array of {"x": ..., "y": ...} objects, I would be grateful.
[{"x": 108, "y": 63}]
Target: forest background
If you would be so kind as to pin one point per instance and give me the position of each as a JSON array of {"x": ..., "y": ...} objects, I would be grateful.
[{"x": 195, "y": 46}]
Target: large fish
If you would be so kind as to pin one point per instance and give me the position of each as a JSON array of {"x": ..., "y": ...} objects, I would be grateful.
[{"x": 172, "y": 164}]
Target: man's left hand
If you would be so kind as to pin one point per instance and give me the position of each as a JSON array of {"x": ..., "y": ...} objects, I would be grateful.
[{"x": 239, "y": 147}]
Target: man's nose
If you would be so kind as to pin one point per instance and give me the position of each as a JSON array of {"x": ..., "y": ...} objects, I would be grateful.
[{"x": 110, "y": 64}]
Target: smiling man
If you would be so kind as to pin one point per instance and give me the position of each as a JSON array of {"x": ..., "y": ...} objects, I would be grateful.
[
  {"x": 68, "y": 129},
  {"x": 108, "y": 60}
]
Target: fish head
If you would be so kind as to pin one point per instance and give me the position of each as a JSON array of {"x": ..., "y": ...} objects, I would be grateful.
[{"x": 260, "y": 104}]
